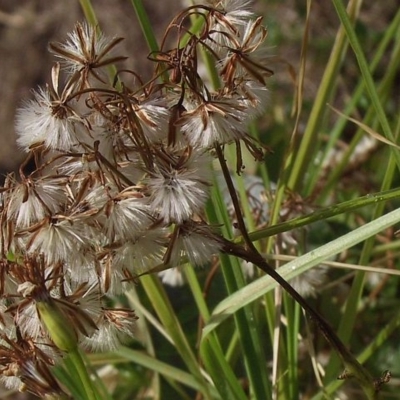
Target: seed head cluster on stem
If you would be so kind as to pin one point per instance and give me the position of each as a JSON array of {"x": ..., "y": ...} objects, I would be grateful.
[{"x": 120, "y": 177}]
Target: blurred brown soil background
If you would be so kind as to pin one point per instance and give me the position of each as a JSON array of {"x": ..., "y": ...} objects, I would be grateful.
[{"x": 27, "y": 26}]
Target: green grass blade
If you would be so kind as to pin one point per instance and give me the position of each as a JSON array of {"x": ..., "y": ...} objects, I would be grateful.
[
  {"x": 145, "y": 25},
  {"x": 326, "y": 213},
  {"x": 245, "y": 320},
  {"x": 89, "y": 12},
  {"x": 384, "y": 90},
  {"x": 349, "y": 316},
  {"x": 225, "y": 381},
  {"x": 166, "y": 370},
  {"x": 159, "y": 300},
  {"x": 367, "y": 353},
  {"x": 306, "y": 151},
  {"x": 258, "y": 288},
  {"x": 69, "y": 377},
  {"x": 216, "y": 362},
  {"x": 143, "y": 325},
  {"x": 292, "y": 313},
  {"x": 368, "y": 80}
]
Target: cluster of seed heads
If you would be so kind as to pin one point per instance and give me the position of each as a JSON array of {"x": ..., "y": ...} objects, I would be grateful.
[{"x": 121, "y": 174}]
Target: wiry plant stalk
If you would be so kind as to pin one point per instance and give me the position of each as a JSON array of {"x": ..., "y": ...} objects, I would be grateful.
[{"x": 249, "y": 253}]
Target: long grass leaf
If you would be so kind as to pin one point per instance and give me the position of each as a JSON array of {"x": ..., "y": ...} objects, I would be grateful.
[
  {"x": 245, "y": 320},
  {"x": 368, "y": 80},
  {"x": 258, "y": 288},
  {"x": 307, "y": 147}
]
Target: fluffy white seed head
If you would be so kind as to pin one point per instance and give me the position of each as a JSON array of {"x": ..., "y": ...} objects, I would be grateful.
[
  {"x": 178, "y": 191},
  {"x": 218, "y": 122},
  {"x": 41, "y": 121}
]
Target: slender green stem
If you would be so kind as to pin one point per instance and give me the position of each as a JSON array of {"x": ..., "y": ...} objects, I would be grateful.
[
  {"x": 368, "y": 80},
  {"x": 326, "y": 213},
  {"x": 209, "y": 62},
  {"x": 223, "y": 377},
  {"x": 193, "y": 282},
  {"x": 292, "y": 312},
  {"x": 80, "y": 366},
  {"x": 89, "y": 12},
  {"x": 245, "y": 319},
  {"x": 170, "y": 372},
  {"x": 353, "y": 368},
  {"x": 307, "y": 147},
  {"x": 91, "y": 18},
  {"x": 297, "y": 266},
  {"x": 367, "y": 353},
  {"x": 348, "y": 319},
  {"x": 384, "y": 89},
  {"x": 167, "y": 316},
  {"x": 145, "y": 24}
]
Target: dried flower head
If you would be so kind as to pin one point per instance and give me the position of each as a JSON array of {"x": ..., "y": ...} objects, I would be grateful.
[
  {"x": 25, "y": 367},
  {"x": 119, "y": 183},
  {"x": 85, "y": 52},
  {"x": 45, "y": 120},
  {"x": 178, "y": 185}
]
